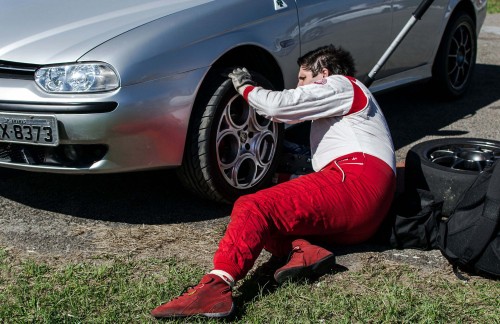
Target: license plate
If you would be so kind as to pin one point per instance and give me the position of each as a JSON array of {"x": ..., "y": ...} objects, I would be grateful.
[{"x": 20, "y": 128}]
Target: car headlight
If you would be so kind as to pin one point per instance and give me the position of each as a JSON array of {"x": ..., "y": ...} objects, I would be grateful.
[{"x": 77, "y": 78}]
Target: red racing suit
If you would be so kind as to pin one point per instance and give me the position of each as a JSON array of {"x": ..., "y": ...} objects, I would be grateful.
[{"x": 343, "y": 202}]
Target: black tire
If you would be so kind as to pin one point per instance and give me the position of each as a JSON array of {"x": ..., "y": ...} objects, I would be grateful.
[
  {"x": 456, "y": 58},
  {"x": 447, "y": 167},
  {"x": 230, "y": 150}
]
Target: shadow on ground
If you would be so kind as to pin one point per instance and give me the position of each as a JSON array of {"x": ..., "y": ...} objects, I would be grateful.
[
  {"x": 414, "y": 112},
  {"x": 155, "y": 197}
]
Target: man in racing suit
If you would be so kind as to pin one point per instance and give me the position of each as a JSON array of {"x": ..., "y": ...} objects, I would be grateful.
[{"x": 343, "y": 202}]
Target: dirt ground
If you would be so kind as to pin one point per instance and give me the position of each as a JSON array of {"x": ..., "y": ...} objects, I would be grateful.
[{"x": 61, "y": 218}]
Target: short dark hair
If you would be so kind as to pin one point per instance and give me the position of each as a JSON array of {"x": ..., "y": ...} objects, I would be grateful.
[{"x": 335, "y": 59}]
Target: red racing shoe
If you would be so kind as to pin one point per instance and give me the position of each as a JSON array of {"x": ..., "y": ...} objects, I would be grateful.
[
  {"x": 212, "y": 297},
  {"x": 306, "y": 260}
]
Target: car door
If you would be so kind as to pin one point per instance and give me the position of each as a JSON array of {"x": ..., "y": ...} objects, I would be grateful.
[
  {"x": 359, "y": 26},
  {"x": 420, "y": 44}
]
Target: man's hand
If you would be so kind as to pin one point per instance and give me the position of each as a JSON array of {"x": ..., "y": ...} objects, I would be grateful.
[{"x": 241, "y": 77}]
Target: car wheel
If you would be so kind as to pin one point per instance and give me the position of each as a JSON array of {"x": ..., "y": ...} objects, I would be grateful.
[
  {"x": 230, "y": 150},
  {"x": 447, "y": 167},
  {"x": 456, "y": 57}
]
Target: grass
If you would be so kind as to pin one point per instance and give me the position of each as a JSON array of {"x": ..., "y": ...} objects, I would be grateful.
[
  {"x": 493, "y": 6},
  {"x": 106, "y": 291},
  {"x": 124, "y": 291}
]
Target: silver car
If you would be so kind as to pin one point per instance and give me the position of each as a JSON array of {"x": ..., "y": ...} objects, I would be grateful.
[{"x": 122, "y": 85}]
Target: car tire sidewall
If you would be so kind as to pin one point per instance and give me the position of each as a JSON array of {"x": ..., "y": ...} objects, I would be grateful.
[{"x": 441, "y": 81}]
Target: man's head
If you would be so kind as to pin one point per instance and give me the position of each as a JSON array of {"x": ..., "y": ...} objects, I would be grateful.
[{"x": 324, "y": 61}]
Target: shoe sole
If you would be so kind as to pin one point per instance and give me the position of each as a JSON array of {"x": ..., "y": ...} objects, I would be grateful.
[
  {"x": 212, "y": 315},
  {"x": 316, "y": 269},
  {"x": 219, "y": 315}
]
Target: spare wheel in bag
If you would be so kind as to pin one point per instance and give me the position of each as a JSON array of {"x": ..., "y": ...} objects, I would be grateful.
[{"x": 448, "y": 166}]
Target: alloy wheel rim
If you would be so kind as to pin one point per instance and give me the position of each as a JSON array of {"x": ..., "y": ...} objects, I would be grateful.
[
  {"x": 465, "y": 157},
  {"x": 460, "y": 56},
  {"x": 245, "y": 144}
]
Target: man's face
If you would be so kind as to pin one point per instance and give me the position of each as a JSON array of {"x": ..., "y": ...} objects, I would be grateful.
[{"x": 306, "y": 76}]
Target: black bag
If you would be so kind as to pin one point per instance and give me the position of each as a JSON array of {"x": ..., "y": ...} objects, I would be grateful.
[
  {"x": 415, "y": 218},
  {"x": 470, "y": 237}
]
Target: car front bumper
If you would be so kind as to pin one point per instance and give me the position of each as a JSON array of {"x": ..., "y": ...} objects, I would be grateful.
[{"x": 137, "y": 127}]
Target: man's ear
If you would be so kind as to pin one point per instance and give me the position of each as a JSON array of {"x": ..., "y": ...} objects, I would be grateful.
[{"x": 325, "y": 72}]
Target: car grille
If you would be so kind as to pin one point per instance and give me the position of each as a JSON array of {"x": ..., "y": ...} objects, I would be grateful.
[
  {"x": 13, "y": 70},
  {"x": 70, "y": 156}
]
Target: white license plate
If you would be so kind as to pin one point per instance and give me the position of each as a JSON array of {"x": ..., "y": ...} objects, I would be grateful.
[{"x": 28, "y": 129}]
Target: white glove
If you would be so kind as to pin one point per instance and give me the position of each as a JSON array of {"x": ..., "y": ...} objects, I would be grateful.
[{"x": 241, "y": 78}]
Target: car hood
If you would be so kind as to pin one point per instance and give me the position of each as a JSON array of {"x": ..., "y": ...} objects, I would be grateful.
[{"x": 57, "y": 31}]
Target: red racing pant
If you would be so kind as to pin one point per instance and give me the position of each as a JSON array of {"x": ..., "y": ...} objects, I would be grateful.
[{"x": 344, "y": 203}]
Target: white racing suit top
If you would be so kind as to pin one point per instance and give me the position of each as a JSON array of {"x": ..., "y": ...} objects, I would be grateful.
[{"x": 345, "y": 117}]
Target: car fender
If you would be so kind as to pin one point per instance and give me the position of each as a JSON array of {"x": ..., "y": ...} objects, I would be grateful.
[{"x": 177, "y": 44}]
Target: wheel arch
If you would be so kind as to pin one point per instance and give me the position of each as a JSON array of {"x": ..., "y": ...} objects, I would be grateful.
[
  {"x": 254, "y": 58},
  {"x": 463, "y": 6},
  {"x": 467, "y": 7}
]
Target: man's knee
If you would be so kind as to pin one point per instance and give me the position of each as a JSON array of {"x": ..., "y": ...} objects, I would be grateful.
[
  {"x": 249, "y": 202},
  {"x": 251, "y": 209}
]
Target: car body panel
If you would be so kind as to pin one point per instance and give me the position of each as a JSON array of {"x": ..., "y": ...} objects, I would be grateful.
[
  {"x": 149, "y": 135},
  {"x": 163, "y": 51},
  {"x": 404, "y": 66},
  {"x": 427, "y": 31},
  {"x": 320, "y": 19},
  {"x": 55, "y": 31}
]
